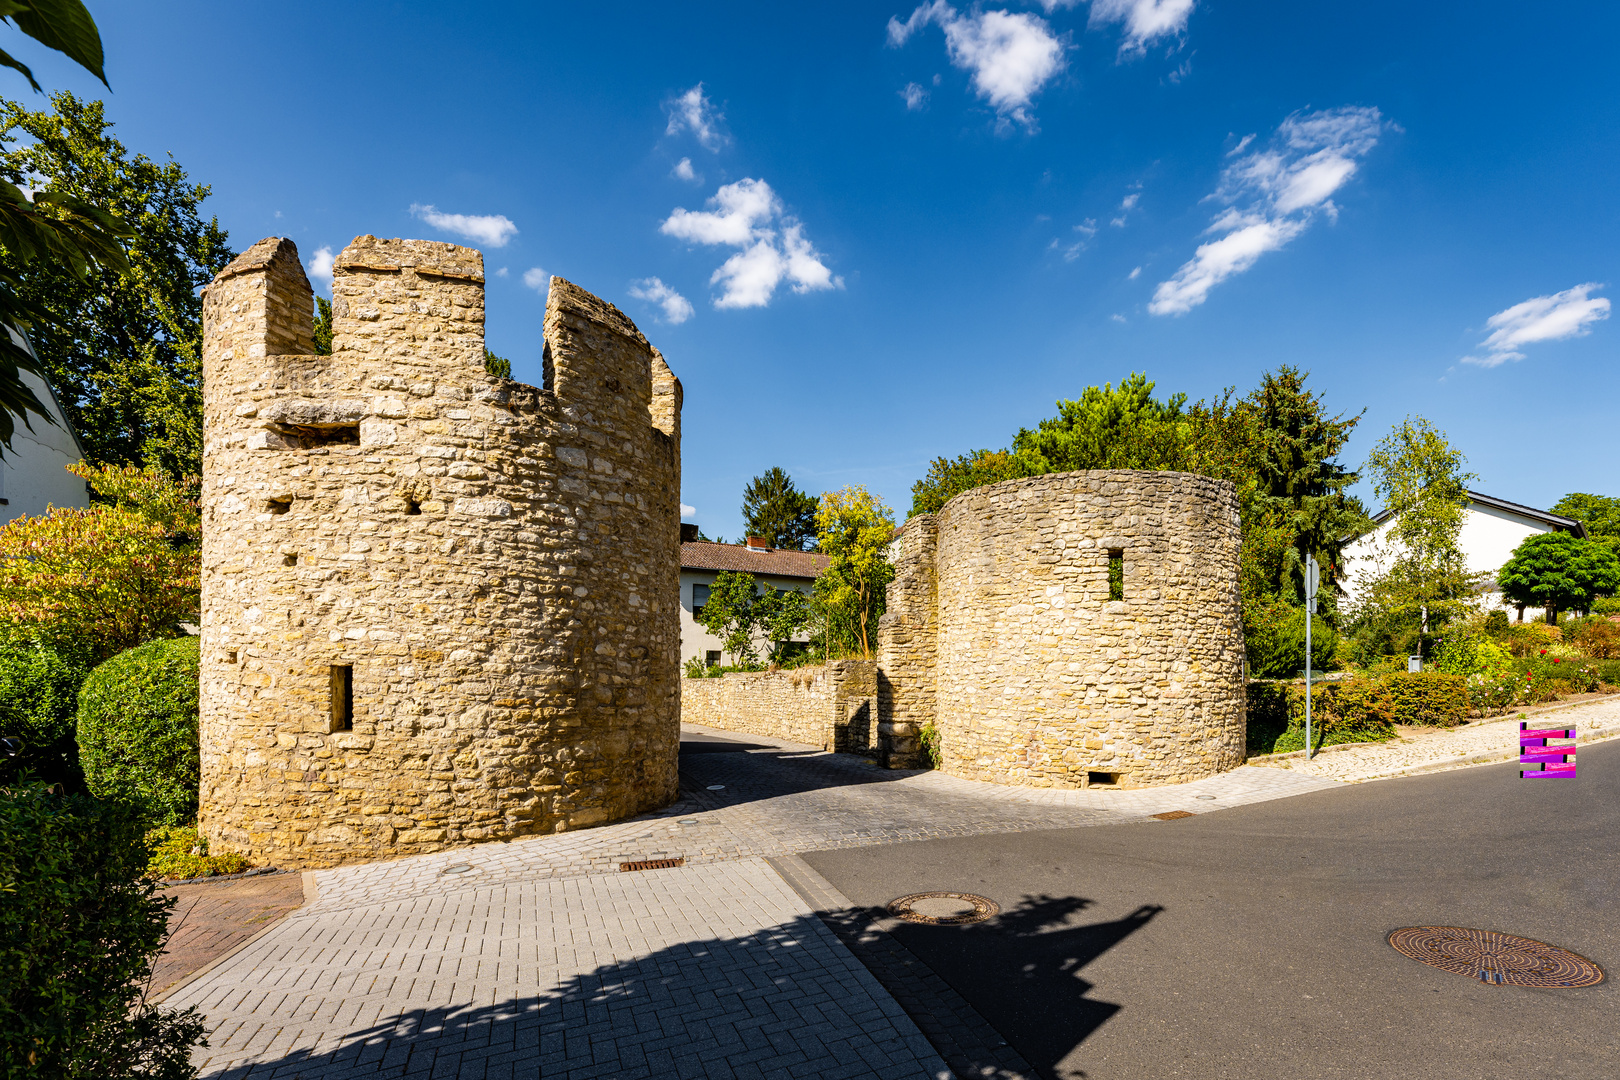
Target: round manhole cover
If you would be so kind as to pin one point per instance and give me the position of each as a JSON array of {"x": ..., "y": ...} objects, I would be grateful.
[
  {"x": 944, "y": 908},
  {"x": 1495, "y": 958},
  {"x": 459, "y": 868}
]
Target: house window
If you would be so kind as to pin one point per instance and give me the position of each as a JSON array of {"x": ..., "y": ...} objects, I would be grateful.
[
  {"x": 711, "y": 658},
  {"x": 342, "y": 697},
  {"x": 1116, "y": 574},
  {"x": 700, "y": 597}
]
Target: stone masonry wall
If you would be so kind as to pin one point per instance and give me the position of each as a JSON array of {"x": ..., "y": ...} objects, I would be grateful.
[
  {"x": 1040, "y": 678},
  {"x": 482, "y": 574},
  {"x": 830, "y": 706},
  {"x": 908, "y": 642}
]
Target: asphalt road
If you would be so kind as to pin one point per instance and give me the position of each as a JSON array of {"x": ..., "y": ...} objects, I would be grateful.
[{"x": 1250, "y": 942}]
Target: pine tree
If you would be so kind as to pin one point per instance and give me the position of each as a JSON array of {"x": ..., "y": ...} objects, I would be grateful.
[{"x": 776, "y": 510}]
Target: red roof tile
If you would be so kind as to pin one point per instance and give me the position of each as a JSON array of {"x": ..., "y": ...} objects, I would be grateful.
[{"x": 705, "y": 556}]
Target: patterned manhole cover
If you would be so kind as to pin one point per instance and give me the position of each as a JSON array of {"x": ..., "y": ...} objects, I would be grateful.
[
  {"x": 1495, "y": 958},
  {"x": 944, "y": 908}
]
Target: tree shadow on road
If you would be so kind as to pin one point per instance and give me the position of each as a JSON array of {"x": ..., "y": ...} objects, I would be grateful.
[
  {"x": 784, "y": 998},
  {"x": 1021, "y": 972}
]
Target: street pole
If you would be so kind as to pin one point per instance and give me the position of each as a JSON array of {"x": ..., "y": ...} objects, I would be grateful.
[{"x": 1311, "y": 574}]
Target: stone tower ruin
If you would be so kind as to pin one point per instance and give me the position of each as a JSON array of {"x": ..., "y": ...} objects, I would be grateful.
[
  {"x": 1072, "y": 630},
  {"x": 437, "y": 606}
]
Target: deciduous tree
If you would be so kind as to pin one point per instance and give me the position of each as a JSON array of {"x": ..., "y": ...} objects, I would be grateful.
[
  {"x": 728, "y": 614},
  {"x": 854, "y": 529},
  {"x": 1560, "y": 572}
]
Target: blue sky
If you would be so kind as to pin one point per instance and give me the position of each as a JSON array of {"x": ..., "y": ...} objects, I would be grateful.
[{"x": 905, "y": 231}]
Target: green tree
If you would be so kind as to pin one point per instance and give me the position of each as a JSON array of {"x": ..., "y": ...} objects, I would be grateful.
[
  {"x": 1423, "y": 482},
  {"x": 948, "y": 478},
  {"x": 323, "y": 328},
  {"x": 854, "y": 529},
  {"x": 47, "y": 224},
  {"x": 1127, "y": 428},
  {"x": 782, "y": 614},
  {"x": 122, "y": 343},
  {"x": 776, "y": 510},
  {"x": 498, "y": 366},
  {"x": 1560, "y": 572},
  {"x": 1599, "y": 513},
  {"x": 728, "y": 614}
]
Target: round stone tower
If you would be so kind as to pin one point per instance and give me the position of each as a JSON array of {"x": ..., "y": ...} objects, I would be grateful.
[
  {"x": 438, "y": 606},
  {"x": 1071, "y": 630}
]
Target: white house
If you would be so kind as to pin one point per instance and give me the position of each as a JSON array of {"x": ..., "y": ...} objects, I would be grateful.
[
  {"x": 33, "y": 474},
  {"x": 702, "y": 562},
  {"x": 1491, "y": 529}
]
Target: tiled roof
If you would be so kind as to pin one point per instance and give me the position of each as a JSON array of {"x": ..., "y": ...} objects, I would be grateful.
[{"x": 705, "y": 556}]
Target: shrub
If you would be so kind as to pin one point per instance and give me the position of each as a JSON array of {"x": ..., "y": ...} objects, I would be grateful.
[
  {"x": 1351, "y": 710},
  {"x": 138, "y": 730},
  {"x": 40, "y": 676},
  {"x": 114, "y": 574},
  {"x": 1599, "y": 639},
  {"x": 928, "y": 739},
  {"x": 79, "y": 929},
  {"x": 1274, "y": 636},
  {"x": 180, "y": 852}
]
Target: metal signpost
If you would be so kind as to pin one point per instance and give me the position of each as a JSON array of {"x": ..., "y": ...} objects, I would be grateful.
[{"x": 1312, "y": 575}]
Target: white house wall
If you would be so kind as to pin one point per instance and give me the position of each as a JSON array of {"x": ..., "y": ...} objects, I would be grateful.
[
  {"x": 696, "y": 641},
  {"x": 33, "y": 474}
]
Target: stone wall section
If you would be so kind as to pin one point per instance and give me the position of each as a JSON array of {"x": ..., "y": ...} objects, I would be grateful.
[
  {"x": 484, "y": 572},
  {"x": 831, "y": 706},
  {"x": 1041, "y": 679},
  {"x": 908, "y": 642}
]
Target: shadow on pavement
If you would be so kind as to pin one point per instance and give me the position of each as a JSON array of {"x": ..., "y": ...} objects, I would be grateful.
[
  {"x": 749, "y": 772},
  {"x": 1021, "y": 971},
  {"x": 778, "y": 999}
]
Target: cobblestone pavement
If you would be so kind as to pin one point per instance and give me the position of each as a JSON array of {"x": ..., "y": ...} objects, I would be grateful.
[
  {"x": 714, "y": 971},
  {"x": 1483, "y": 741},
  {"x": 481, "y": 961}
]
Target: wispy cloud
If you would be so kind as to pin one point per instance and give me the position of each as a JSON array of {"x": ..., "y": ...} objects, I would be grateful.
[
  {"x": 1126, "y": 205},
  {"x": 677, "y": 308},
  {"x": 683, "y": 171},
  {"x": 1012, "y": 55},
  {"x": 1071, "y": 247},
  {"x": 694, "y": 112},
  {"x": 320, "y": 264},
  {"x": 1566, "y": 314},
  {"x": 1145, "y": 21},
  {"x": 914, "y": 96},
  {"x": 749, "y": 215},
  {"x": 537, "y": 279},
  {"x": 1272, "y": 195},
  {"x": 491, "y": 230}
]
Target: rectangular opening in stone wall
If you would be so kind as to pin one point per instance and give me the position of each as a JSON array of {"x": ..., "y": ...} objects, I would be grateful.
[
  {"x": 1102, "y": 779},
  {"x": 1116, "y": 574},
  {"x": 279, "y": 506},
  {"x": 289, "y": 560},
  {"x": 412, "y": 506},
  {"x": 342, "y": 697},
  {"x": 548, "y": 370},
  {"x": 347, "y": 435}
]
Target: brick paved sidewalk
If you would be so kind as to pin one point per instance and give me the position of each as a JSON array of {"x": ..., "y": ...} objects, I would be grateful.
[{"x": 212, "y": 918}]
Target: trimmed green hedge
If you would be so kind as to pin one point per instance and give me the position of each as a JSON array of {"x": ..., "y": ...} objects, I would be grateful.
[
  {"x": 40, "y": 678},
  {"x": 1352, "y": 710},
  {"x": 79, "y": 929},
  {"x": 138, "y": 730}
]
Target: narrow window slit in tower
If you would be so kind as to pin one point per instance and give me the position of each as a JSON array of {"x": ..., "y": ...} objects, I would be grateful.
[
  {"x": 548, "y": 370},
  {"x": 279, "y": 506},
  {"x": 1116, "y": 574},
  {"x": 289, "y": 560},
  {"x": 342, "y": 697}
]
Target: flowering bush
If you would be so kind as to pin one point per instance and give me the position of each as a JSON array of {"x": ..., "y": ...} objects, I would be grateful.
[{"x": 113, "y": 575}]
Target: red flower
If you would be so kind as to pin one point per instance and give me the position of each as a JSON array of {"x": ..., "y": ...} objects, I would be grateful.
[
  {"x": 1543, "y": 652},
  {"x": 1555, "y": 660}
]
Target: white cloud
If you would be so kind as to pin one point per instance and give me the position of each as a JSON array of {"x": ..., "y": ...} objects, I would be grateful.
[
  {"x": 1012, "y": 55},
  {"x": 914, "y": 96},
  {"x": 493, "y": 230},
  {"x": 1145, "y": 21},
  {"x": 694, "y": 112},
  {"x": 687, "y": 511},
  {"x": 1126, "y": 205},
  {"x": 1566, "y": 314},
  {"x": 320, "y": 265},
  {"x": 1273, "y": 195},
  {"x": 677, "y": 308},
  {"x": 1071, "y": 251},
  {"x": 502, "y": 272},
  {"x": 1134, "y": 274},
  {"x": 683, "y": 171},
  {"x": 537, "y": 279},
  {"x": 1117, "y": 318},
  {"x": 748, "y": 215}
]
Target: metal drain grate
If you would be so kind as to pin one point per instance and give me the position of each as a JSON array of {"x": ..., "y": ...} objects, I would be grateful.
[
  {"x": 1171, "y": 815},
  {"x": 651, "y": 864},
  {"x": 1495, "y": 958},
  {"x": 944, "y": 908}
]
